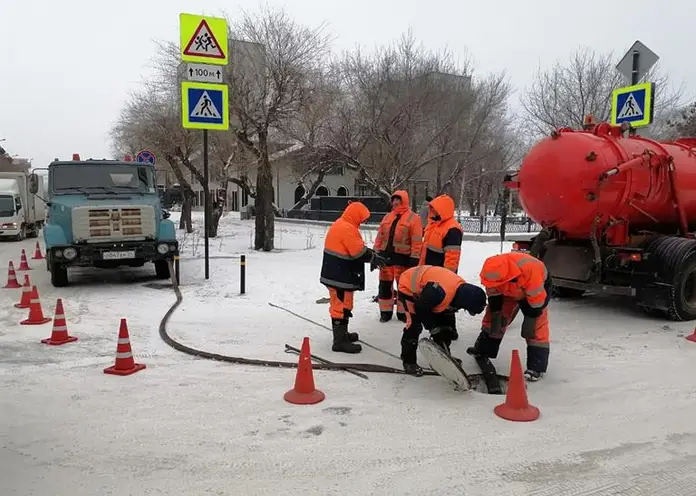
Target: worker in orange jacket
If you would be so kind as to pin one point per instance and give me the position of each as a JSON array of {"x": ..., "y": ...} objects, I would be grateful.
[
  {"x": 399, "y": 241},
  {"x": 442, "y": 240},
  {"x": 516, "y": 282},
  {"x": 343, "y": 272},
  {"x": 431, "y": 295}
]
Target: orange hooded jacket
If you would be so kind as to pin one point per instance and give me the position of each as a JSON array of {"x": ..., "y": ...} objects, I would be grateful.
[
  {"x": 345, "y": 253},
  {"x": 442, "y": 242},
  {"x": 400, "y": 235}
]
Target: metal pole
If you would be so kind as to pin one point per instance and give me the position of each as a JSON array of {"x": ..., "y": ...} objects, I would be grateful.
[
  {"x": 242, "y": 274},
  {"x": 206, "y": 202},
  {"x": 634, "y": 77}
]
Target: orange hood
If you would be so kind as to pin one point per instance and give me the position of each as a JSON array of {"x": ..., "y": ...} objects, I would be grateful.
[
  {"x": 356, "y": 213},
  {"x": 498, "y": 270},
  {"x": 403, "y": 195},
  {"x": 444, "y": 206}
]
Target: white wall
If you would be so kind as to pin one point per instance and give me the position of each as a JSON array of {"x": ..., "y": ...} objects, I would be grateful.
[{"x": 285, "y": 183}]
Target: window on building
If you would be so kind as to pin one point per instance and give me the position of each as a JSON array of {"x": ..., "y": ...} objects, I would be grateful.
[
  {"x": 299, "y": 192},
  {"x": 342, "y": 191},
  {"x": 322, "y": 191}
]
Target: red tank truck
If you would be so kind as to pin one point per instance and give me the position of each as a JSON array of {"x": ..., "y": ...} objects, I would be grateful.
[{"x": 618, "y": 214}]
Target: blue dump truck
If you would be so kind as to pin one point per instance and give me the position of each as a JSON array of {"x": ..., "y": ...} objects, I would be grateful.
[{"x": 105, "y": 214}]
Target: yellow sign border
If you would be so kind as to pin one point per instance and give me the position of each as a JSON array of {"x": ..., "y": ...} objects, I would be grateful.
[
  {"x": 649, "y": 89},
  {"x": 188, "y": 24},
  {"x": 186, "y": 124}
]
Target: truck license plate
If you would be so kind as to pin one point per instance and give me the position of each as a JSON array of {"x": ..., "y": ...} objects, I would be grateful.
[{"x": 118, "y": 255}]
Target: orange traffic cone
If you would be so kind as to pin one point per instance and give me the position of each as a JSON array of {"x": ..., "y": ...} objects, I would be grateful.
[
  {"x": 516, "y": 406},
  {"x": 23, "y": 264},
  {"x": 125, "y": 365},
  {"x": 304, "y": 392},
  {"x": 692, "y": 337},
  {"x": 36, "y": 316},
  {"x": 59, "y": 335},
  {"x": 25, "y": 302},
  {"x": 37, "y": 253},
  {"x": 12, "y": 282}
]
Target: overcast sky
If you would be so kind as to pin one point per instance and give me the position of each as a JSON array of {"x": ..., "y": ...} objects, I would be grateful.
[{"x": 67, "y": 66}]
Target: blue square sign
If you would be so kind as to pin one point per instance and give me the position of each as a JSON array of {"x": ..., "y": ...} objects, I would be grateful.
[
  {"x": 633, "y": 104},
  {"x": 204, "y": 106}
]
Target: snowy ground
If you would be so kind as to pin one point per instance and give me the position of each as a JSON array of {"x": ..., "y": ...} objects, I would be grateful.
[{"x": 617, "y": 405}]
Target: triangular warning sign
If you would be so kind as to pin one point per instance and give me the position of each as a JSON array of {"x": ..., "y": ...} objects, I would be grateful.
[
  {"x": 203, "y": 43},
  {"x": 205, "y": 108},
  {"x": 630, "y": 108}
]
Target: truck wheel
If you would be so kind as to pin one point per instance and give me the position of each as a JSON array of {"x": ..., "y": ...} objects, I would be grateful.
[
  {"x": 22, "y": 233},
  {"x": 568, "y": 292},
  {"x": 683, "y": 304},
  {"x": 59, "y": 275},
  {"x": 162, "y": 269}
]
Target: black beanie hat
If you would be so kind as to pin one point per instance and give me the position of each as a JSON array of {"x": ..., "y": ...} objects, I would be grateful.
[{"x": 470, "y": 298}]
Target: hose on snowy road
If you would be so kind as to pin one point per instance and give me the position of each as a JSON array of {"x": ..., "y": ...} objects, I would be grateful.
[{"x": 362, "y": 367}]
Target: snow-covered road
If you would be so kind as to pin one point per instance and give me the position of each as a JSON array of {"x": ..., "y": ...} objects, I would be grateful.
[{"x": 617, "y": 406}]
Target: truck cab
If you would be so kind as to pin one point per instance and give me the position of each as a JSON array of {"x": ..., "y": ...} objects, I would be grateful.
[
  {"x": 105, "y": 214},
  {"x": 10, "y": 210}
]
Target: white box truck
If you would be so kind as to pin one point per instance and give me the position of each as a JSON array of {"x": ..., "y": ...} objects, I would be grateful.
[{"x": 22, "y": 214}]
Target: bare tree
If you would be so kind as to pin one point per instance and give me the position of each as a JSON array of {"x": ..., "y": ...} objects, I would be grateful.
[
  {"x": 406, "y": 111},
  {"x": 270, "y": 82},
  {"x": 683, "y": 122},
  {"x": 567, "y": 92}
]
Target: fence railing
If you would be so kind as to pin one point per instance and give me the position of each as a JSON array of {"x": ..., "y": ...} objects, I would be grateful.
[{"x": 481, "y": 225}]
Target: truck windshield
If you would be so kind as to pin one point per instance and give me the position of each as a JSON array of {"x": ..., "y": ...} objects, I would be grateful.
[
  {"x": 97, "y": 178},
  {"x": 7, "y": 207}
]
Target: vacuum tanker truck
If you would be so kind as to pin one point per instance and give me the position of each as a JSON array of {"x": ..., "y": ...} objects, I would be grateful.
[{"x": 618, "y": 215}]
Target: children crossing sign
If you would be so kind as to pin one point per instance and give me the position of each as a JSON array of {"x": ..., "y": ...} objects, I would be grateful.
[
  {"x": 203, "y": 39},
  {"x": 204, "y": 106},
  {"x": 633, "y": 104}
]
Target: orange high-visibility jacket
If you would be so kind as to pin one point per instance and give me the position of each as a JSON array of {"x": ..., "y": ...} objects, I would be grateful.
[
  {"x": 400, "y": 235},
  {"x": 518, "y": 276},
  {"x": 442, "y": 242},
  {"x": 345, "y": 253},
  {"x": 415, "y": 279}
]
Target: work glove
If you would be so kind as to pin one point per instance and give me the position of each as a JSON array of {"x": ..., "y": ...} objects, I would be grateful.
[
  {"x": 377, "y": 261},
  {"x": 413, "y": 262},
  {"x": 528, "y": 328},
  {"x": 496, "y": 323}
]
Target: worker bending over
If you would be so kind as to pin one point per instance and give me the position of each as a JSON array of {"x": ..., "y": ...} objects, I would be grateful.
[
  {"x": 442, "y": 241},
  {"x": 343, "y": 272},
  {"x": 399, "y": 241},
  {"x": 431, "y": 296},
  {"x": 516, "y": 282}
]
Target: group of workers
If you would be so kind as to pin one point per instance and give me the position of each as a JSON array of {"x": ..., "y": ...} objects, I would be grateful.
[{"x": 423, "y": 263}]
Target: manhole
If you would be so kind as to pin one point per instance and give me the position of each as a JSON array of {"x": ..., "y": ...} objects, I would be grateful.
[{"x": 478, "y": 384}]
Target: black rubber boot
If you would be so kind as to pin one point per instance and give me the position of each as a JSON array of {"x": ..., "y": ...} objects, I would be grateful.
[
  {"x": 401, "y": 316},
  {"x": 385, "y": 316},
  {"x": 413, "y": 369},
  {"x": 341, "y": 339}
]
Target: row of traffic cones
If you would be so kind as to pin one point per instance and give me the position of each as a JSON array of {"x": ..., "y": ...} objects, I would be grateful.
[
  {"x": 124, "y": 364},
  {"x": 516, "y": 406},
  {"x": 12, "y": 282}
]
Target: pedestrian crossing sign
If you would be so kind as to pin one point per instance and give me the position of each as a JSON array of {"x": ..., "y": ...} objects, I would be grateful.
[
  {"x": 205, "y": 106},
  {"x": 633, "y": 104}
]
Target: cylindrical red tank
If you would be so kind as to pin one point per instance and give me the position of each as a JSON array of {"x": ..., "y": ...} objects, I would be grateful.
[{"x": 559, "y": 182}]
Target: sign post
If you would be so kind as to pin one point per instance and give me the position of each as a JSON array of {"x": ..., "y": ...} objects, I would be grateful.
[
  {"x": 204, "y": 100},
  {"x": 634, "y": 104}
]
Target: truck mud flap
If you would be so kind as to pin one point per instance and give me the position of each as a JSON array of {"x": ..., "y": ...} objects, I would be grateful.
[{"x": 490, "y": 375}]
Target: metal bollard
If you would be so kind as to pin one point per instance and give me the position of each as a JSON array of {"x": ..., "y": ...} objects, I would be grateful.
[{"x": 242, "y": 274}]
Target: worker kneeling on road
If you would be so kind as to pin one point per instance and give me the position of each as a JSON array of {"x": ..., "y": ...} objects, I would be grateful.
[
  {"x": 343, "y": 272},
  {"x": 399, "y": 241},
  {"x": 431, "y": 296},
  {"x": 516, "y": 282}
]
